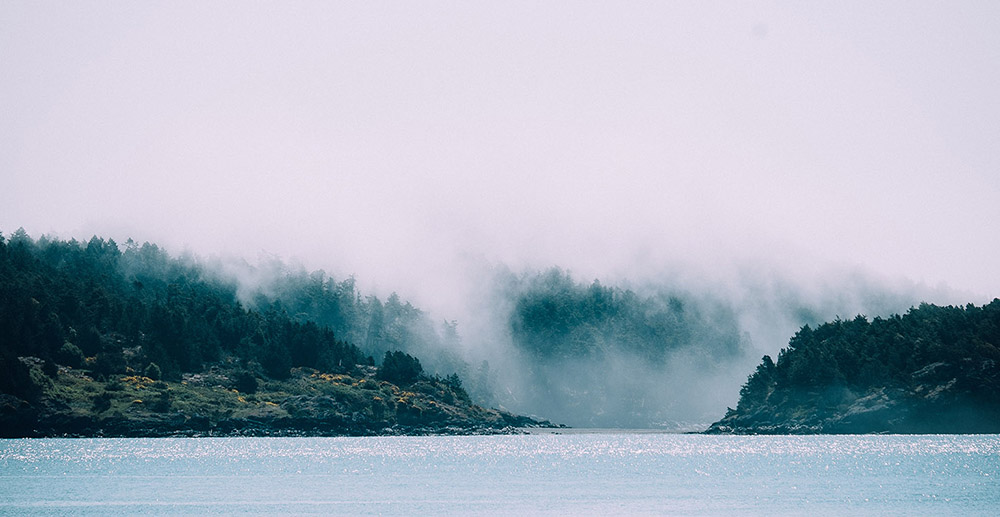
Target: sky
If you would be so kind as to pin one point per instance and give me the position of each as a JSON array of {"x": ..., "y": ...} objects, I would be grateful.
[{"x": 398, "y": 141}]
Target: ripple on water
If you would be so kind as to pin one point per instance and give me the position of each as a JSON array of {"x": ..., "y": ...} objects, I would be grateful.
[{"x": 555, "y": 474}]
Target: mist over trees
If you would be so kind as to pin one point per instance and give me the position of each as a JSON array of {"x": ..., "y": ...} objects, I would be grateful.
[
  {"x": 583, "y": 353},
  {"x": 133, "y": 307},
  {"x": 373, "y": 325},
  {"x": 556, "y": 318},
  {"x": 586, "y": 354},
  {"x": 661, "y": 351},
  {"x": 609, "y": 357}
]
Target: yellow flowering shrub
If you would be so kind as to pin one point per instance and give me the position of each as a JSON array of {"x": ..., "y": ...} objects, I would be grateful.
[
  {"x": 333, "y": 377},
  {"x": 138, "y": 381}
]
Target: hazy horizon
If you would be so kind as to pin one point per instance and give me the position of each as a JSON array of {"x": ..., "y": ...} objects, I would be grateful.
[{"x": 412, "y": 144}]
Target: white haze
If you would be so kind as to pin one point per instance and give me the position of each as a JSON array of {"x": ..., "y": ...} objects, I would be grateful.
[{"x": 741, "y": 150}]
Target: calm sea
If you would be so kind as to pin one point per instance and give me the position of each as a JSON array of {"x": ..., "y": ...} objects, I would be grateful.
[{"x": 569, "y": 474}]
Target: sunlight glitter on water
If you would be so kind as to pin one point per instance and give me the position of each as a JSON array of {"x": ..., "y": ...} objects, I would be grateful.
[{"x": 538, "y": 474}]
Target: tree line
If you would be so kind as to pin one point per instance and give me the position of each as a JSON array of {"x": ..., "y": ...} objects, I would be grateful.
[
  {"x": 556, "y": 318},
  {"x": 113, "y": 308},
  {"x": 954, "y": 346}
]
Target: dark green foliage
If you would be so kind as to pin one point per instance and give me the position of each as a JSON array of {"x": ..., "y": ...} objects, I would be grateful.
[
  {"x": 15, "y": 378},
  {"x": 374, "y": 325},
  {"x": 153, "y": 372},
  {"x": 862, "y": 354},
  {"x": 400, "y": 368},
  {"x": 111, "y": 313},
  {"x": 455, "y": 384},
  {"x": 600, "y": 355},
  {"x": 759, "y": 384},
  {"x": 276, "y": 361},
  {"x": 135, "y": 306},
  {"x": 90, "y": 341},
  {"x": 70, "y": 355},
  {"x": 557, "y": 318},
  {"x": 114, "y": 385},
  {"x": 453, "y": 381},
  {"x": 245, "y": 382},
  {"x": 114, "y": 314},
  {"x": 942, "y": 364},
  {"x": 162, "y": 399},
  {"x": 109, "y": 362},
  {"x": 102, "y": 402},
  {"x": 50, "y": 368}
]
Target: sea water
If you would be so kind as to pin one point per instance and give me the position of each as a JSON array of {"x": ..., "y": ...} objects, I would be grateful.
[{"x": 565, "y": 474}]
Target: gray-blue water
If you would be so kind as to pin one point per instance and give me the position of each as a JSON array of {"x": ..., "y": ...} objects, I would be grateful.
[{"x": 573, "y": 474}]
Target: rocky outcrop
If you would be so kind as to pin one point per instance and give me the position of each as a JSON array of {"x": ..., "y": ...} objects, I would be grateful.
[
  {"x": 308, "y": 403},
  {"x": 178, "y": 425},
  {"x": 940, "y": 398},
  {"x": 26, "y": 421}
]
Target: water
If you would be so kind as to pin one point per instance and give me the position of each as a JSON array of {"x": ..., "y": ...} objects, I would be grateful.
[{"x": 573, "y": 474}]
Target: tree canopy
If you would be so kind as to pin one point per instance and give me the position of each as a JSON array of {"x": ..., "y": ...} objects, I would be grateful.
[
  {"x": 98, "y": 305},
  {"x": 933, "y": 369}
]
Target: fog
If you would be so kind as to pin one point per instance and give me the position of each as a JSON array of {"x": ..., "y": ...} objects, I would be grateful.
[
  {"x": 840, "y": 159},
  {"x": 723, "y": 330},
  {"x": 669, "y": 352}
]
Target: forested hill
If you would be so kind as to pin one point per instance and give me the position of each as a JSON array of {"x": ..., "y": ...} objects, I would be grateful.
[
  {"x": 127, "y": 340},
  {"x": 933, "y": 370}
]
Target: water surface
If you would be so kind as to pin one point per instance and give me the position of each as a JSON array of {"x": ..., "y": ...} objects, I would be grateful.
[{"x": 575, "y": 474}]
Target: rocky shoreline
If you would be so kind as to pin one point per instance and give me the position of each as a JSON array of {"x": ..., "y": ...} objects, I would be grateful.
[
  {"x": 27, "y": 423},
  {"x": 931, "y": 408},
  {"x": 71, "y": 403},
  {"x": 201, "y": 428}
]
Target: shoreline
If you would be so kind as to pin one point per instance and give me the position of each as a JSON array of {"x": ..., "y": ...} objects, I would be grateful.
[{"x": 594, "y": 430}]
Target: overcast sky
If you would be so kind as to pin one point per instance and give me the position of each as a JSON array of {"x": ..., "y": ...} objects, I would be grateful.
[{"x": 395, "y": 140}]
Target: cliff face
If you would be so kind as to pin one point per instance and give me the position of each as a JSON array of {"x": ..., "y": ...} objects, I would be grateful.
[{"x": 934, "y": 370}]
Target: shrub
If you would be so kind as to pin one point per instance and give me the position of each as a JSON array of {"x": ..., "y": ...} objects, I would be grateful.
[
  {"x": 15, "y": 378},
  {"x": 153, "y": 371},
  {"x": 114, "y": 384},
  {"x": 245, "y": 382},
  {"x": 109, "y": 362},
  {"x": 70, "y": 355},
  {"x": 163, "y": 401},
  {"x": 50, "y": 368},
  {"x": 400, "y": 368},
  {"x": 102, "y": 402}
]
